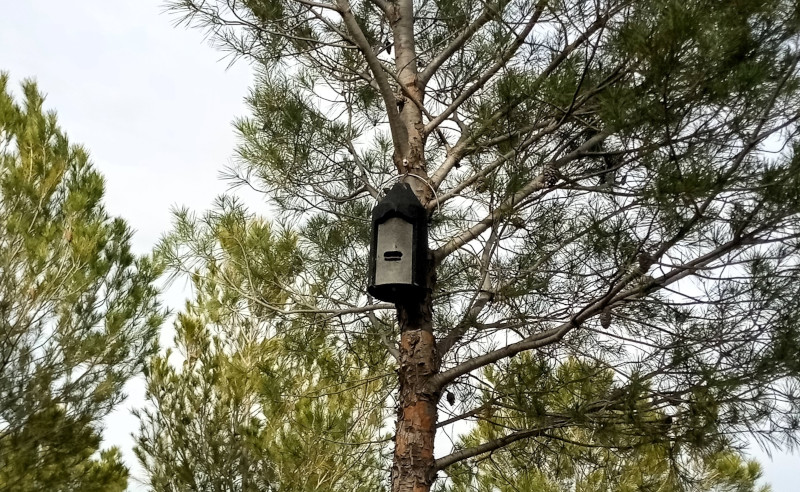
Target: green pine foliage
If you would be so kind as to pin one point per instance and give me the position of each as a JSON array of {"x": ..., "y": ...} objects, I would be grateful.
[
  {"x": 612, "y": 181},
  {"x": 248, "y": 401},
  {"x": 78, "y": 310},
  {"x": 642, "y": 449}
]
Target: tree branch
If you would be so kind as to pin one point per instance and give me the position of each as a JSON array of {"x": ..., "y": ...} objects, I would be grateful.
[
  {"x": 509, "y": 203},
  {"x": 399, "y": 134},
  {"x": 541, "y": 339},
  {"x": 501, "y": 62},
  {"x": 554, "y": 335},
  {"x": 454, "y": 46},
  {"x": 484, "y": 294},
  {"x": 486, "y": 447}
]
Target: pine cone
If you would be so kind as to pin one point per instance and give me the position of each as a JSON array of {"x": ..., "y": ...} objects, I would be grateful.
[
  {"x": 645, "y": 261},
  {"x": 481, "y": 185},
  {"x": 605, "y": 318},
  {"x": 451, "y": 398},
  {"x": 517, "y": 222},
  {"x": 551, "y": 175}
]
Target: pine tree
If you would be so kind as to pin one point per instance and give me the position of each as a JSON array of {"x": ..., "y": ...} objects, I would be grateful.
[
  {"x": 78, "y": 310},
  {"x": 623, "y": 454},
  {"x": 613, "y": 181},
  {"x": 250, "y": 402}
]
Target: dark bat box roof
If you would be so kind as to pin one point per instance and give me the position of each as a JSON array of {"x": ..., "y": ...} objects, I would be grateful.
[{"x": 399, "y": 202}]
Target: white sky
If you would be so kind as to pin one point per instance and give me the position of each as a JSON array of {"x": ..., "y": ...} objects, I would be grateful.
[{"x": 153, "y": 104}]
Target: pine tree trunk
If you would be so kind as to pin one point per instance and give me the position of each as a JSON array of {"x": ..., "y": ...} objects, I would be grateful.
[{"x": 413, "y": 467}]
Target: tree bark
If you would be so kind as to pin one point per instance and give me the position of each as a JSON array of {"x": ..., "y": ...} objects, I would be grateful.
[{"x": 413, "y": 469}]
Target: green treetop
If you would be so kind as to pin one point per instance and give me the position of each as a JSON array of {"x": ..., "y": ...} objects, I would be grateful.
[
  {"x": 78, "y": 310},
  {"x": 249, "y": 401},
  {"x": 634, "y": 447}
]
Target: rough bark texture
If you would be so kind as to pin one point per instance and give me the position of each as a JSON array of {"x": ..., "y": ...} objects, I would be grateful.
[
  {"x": 413, "y": 468},
  {"x": 409, "y": 152}
]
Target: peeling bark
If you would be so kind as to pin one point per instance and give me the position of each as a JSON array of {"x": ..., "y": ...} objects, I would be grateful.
[
  {"x": 409, "y": 156},
  {"x": 413, "y": 469}
]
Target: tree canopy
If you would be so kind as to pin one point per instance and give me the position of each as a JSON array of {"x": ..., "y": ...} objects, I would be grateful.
[
  {"x": 252, "y": 401},
  {"x": 257, "y": 403},
  {"x": 78, "y": 311},
  {"x": 611, "y": 182}
]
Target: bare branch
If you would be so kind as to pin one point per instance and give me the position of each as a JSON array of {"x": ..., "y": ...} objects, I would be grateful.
[
  {"x": 495, "y": 444},
  {"x": 399, "y": 133}
]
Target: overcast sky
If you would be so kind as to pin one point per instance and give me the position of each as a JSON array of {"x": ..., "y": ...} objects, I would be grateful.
[{"x": 153, "y": 104}]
